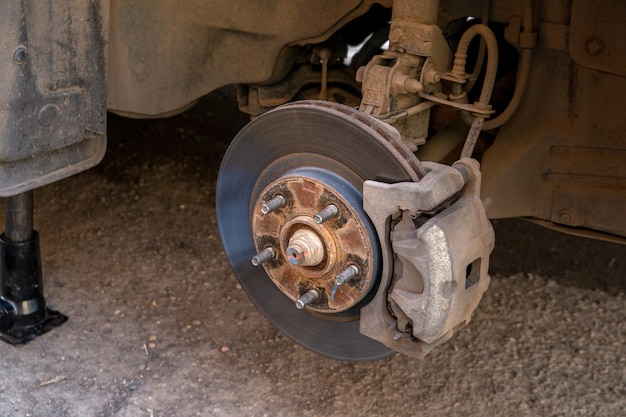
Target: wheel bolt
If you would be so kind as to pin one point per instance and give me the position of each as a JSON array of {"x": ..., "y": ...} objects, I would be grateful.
[
  {"x": 307, "y": 299},
  {"x": 265, "y": 255},
  {"x": 347, "y": 274},
  {"x": 273, "y": 205},
  {"x": 327, "y": 213}
]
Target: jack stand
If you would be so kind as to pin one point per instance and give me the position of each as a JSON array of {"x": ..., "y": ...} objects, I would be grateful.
[{"x": 23, "y": 311}]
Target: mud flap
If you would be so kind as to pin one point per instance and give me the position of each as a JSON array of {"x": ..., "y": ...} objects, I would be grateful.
[{"x": 53, "y": 91}]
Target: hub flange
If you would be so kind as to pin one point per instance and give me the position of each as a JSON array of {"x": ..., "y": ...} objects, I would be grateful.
[{"x": 312, "y": 253}]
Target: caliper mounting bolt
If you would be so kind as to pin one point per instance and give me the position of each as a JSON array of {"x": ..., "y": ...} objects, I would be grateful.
[
  {"x": 273, "y": 205},
  {"x": 307, "y": 299},
  {"x": 327, "y": 213},
  {"x": 265, "y": 255},
  {"x": 347, "y": 274}
]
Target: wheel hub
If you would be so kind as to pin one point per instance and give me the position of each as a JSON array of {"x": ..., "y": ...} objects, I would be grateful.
[{"x": 317, "y": 233}]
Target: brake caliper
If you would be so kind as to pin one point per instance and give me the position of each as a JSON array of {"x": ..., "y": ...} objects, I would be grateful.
[{"x": 436, "y": 240}]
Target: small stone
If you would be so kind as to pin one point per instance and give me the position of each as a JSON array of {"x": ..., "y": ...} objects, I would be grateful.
[
  {"x": 224, "y": 349},
  {"x": 151, "y": 345},
  {"x": 153, "y": 337}
]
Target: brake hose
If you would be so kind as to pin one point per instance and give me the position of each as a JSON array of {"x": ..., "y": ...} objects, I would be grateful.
[
  {"x": 458, "y": 70},
  {"x": 527, "y": 43}
]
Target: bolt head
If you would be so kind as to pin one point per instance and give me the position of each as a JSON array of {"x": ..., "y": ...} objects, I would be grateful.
[
  {"x": 566, "y": 216},
  {"x": 594, "y": 46}
]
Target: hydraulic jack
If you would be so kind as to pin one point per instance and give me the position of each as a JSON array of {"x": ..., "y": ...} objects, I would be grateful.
[{"x": 23, "y": 311}]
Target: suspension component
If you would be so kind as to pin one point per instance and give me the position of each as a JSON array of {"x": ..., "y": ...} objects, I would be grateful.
[{"x": 418, "y": 52}]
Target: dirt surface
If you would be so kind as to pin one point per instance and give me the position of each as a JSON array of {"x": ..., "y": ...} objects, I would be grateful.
[{"x": 160, "y": 327}]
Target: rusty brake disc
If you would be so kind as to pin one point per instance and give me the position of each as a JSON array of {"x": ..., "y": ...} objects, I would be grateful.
[{"x": 291, "y": 218}]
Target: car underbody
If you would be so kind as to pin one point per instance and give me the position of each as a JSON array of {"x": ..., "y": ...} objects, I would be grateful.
[{"x": 354, "y": 207}]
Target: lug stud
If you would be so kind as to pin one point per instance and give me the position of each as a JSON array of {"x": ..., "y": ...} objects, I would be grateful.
[
  {"x": 327, "y": 213},
  {"x": 265, "y": 255},
  {"x": 273, "y": 204},
  {"x": 307, "y": 299},
  {"x": 347, "y": 274}
]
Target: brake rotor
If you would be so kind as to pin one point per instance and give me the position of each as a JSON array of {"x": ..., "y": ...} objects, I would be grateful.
[{"x": 289, "y": 209}]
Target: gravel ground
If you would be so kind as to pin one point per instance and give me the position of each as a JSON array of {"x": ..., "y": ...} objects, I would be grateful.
[{"x": 160, "y": 327}]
